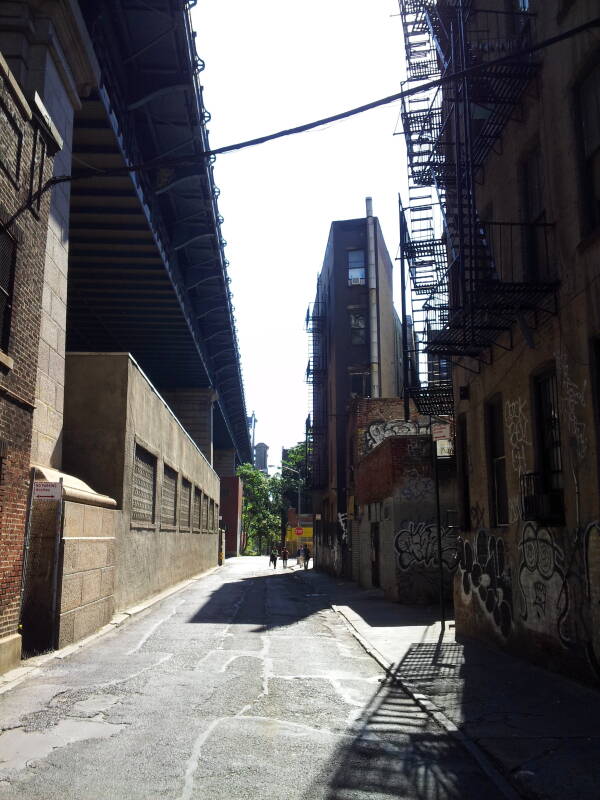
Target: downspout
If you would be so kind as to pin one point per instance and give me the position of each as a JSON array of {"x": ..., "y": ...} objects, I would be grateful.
[{"x": 373, "y": 320}]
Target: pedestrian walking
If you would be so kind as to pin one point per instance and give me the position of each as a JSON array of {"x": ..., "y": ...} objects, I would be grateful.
[
  {"x": 306, "y": 556},
  {"x": 273, "y": 559},
  {"x": 299, "y": 557},
  {"x": 285, "y": 553}
]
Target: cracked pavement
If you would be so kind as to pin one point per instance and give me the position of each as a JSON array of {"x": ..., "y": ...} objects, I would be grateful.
[{"x": 245, "y": 684}]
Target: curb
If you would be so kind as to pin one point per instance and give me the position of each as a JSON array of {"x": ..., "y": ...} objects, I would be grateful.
[
  {"x": 33, "y": 665},
  {"x": 436, "y": 714}
]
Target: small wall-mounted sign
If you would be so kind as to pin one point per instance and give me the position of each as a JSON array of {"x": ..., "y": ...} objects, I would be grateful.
[{"x": 47, "y": 490}]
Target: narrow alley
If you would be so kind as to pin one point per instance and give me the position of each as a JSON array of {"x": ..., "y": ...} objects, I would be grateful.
[{"x": 245, "y": 684}]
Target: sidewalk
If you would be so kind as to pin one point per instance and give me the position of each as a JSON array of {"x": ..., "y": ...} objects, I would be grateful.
[{"x": 539, "y": 729}]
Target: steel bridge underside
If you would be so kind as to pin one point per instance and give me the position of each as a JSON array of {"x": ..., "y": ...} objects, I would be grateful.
[{"x": 147, "y": 272}]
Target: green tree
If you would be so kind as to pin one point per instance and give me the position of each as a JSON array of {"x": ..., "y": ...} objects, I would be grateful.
[{"x": 261, "y": 507}]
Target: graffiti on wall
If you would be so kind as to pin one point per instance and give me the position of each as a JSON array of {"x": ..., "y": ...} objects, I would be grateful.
[
  {"x": 573, "y": 400},
  {"x": 416, "y": 487},
  {"x": 380, "y": 430},
  {"x": 544, "y": 590},
  {"x": 486, "y": 576},
  {"x": 416, "y": 545},
  {"x": 517, "y": 429},
  {"x": 342, "y": 519}
]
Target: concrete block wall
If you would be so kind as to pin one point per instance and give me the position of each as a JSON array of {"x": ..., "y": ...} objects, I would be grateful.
[{"x": 88, "y": 570}]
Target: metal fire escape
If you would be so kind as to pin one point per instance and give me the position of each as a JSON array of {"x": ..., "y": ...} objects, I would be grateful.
[
  {"x": 472, "y": 280},
  {"x": 316, "y": 377}
]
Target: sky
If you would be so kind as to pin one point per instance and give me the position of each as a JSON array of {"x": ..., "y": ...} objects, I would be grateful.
[{"x": 271, "y": 65}]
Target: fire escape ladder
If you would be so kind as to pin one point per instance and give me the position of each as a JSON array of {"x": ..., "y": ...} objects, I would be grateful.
[
  {"x": 316, "y": 377},
  {"x": 471, "y": 279}
]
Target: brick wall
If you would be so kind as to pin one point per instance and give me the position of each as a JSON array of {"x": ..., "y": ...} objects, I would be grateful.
[{"x": 18, "y": 358}]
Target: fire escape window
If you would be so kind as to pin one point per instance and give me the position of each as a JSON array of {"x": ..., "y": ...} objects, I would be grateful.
[
  {"x": 589, "y": 114},
  {"x": 360, "y": 384},
  {"x": 496, "y": 462},
  {"x": 7, "y": 274},
  {"x": 356, "y": 267}
]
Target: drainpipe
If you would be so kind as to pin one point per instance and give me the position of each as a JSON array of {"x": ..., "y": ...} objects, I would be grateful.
[{"x": 373, "y": 324}]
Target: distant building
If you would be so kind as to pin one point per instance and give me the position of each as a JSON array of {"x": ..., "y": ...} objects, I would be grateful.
[
  {"x": 261, "y": 457},
  {"x": 355, "y": 352}
]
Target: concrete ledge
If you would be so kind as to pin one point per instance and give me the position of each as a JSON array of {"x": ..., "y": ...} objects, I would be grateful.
[{"x": 10, "y": 652}]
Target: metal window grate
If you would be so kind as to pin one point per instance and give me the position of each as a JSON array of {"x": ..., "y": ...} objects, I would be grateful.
[
  {"x": 168, "y": 506},
  {"x": 184, "y": 504},
  {"x": 144, "y": 482},
  {"x": 197, "y": 509}
]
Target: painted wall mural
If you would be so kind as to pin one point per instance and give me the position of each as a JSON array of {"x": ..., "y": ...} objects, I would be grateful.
[
  {"x": 416, "y": 546},
  {"x": 417, "y": 486},
  {"x": 557, "y": 592},
  {"x": 544, "y": 590},
  {"x": 485, "y": 575},
  {"x": 380, "y": 430}
]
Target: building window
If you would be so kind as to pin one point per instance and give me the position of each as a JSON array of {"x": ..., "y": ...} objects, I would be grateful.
[
  {"x": 12, "y": 140},
  {"x": 196, "y": 516},
  {"x": 168, "y": 506},
  {"x": 463, "y": 473},
  {"x": 588, "y": 102},
  {"x": 8, "y": 251},
  {"x": 184, "y": 504},
  {"x": 496, "y": 462},
  {"x": 356, "y": 267},
  {"x": 358, "y": 328},
  {"x": 535, "y": 245},
  {"x": 360, "y": 384},
  {"x": 144, "y": 484},
  {"x": 204, "y": 519},
  {"x": 548, "y": 450}
]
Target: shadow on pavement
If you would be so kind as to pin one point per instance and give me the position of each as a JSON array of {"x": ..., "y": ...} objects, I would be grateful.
[
  {"x": 399, "y": 752},
  {"x": 247, "y": 602}
]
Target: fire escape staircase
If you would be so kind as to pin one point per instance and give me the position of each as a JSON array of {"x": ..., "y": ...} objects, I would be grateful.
[{"x": 472, "y": 280}]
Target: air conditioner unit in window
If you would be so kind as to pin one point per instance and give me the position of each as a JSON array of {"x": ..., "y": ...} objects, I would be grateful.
[{"x": 357, "y": 281}]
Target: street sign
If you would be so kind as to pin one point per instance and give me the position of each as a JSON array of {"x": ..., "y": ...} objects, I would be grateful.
[
  {"x": 46, "y": 490},
  {"x": 299, "y": 531}
]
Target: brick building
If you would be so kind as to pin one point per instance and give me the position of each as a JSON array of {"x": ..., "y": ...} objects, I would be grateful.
[
  {"x": 514, "y": 151},
  {"x": 355, "y": 341},
  {"x": 130, "y": 262},
  {"x": 28, "y": 143}
]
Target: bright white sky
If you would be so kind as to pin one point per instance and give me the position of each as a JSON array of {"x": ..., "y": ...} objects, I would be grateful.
[{"x": 272, "y": 65}]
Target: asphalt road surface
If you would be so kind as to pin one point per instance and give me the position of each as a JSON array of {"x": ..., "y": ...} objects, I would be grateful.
[{"x": 246, "y": 684}]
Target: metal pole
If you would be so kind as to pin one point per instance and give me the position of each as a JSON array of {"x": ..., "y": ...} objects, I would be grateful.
[{"x": 438, "y": 517}]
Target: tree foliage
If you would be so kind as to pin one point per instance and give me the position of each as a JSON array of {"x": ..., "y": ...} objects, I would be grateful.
[{"x": 261, "y": 507}]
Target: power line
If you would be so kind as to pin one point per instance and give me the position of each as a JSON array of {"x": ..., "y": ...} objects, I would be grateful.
[{"x": 184, "y": 161}]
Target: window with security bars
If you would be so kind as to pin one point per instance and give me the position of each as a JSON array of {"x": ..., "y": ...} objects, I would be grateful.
[
  {"x": 184, "y": 504},
  {"x": 197, "y": 513},
  {"x": 7, "y": 275},
  {"x": 204, "y": 519},
  {"x": 168, "y": 506},
  {"x": 549, "y": 454},
  {"x": 211, "y": 515},
  {"x": 143, "y": 488}
]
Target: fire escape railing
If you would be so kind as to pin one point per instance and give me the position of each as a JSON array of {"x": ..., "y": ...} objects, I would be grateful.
[
  {"x": 316, "y": 376},
  {"x": 471, "y": 280}
]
